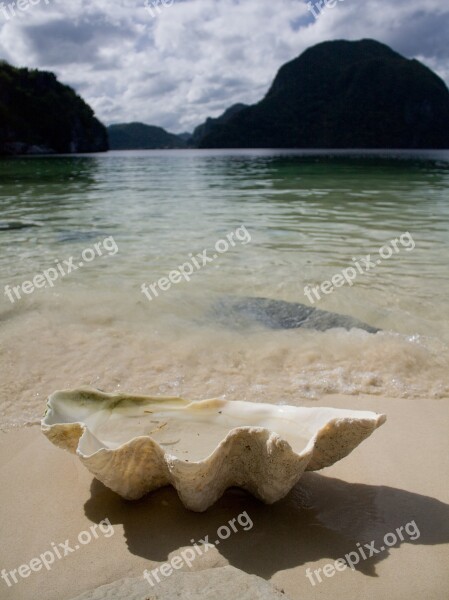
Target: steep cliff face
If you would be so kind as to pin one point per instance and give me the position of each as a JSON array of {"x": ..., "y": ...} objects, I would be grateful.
[
  {"x": 40, "y": 115},
  {"x": 343, "y": 94}
]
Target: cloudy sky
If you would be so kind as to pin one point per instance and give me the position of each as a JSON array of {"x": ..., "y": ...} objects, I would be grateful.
[{"x": 194, "y": 58}]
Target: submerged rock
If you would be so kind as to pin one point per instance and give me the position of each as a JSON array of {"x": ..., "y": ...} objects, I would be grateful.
[{"x": 278, "y": 314}]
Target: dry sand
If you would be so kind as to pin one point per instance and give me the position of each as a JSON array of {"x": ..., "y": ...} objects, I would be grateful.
[{"x": 398, "y": 475}]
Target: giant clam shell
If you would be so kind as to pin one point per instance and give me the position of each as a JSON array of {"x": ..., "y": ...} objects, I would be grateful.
[{"x": 136, "y": 444}]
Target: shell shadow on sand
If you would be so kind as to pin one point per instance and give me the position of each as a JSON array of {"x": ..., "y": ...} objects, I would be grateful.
[{"x": 322, "y": 517}]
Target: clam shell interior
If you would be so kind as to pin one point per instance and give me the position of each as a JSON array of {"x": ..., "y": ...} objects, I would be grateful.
[{"x": 189, "y": 431}]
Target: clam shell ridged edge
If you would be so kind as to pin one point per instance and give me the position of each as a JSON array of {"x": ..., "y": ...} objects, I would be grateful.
[{"x": 253, "y": 458}]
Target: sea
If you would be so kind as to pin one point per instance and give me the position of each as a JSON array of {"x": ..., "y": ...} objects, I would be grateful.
[{"x": 124, "y": 272}]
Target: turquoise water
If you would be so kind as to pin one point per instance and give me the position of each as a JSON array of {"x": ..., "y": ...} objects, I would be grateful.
[{"x": 306, "y": 216}]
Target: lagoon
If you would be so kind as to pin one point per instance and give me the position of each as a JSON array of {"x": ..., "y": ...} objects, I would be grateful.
[{"x": 309, "y": 215}]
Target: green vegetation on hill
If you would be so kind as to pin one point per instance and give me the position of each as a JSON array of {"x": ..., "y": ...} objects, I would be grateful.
[
  {"x": 138, "y": 136},
  {"x": 39, "y": 114},
  {"x": 342, "y": 94}
]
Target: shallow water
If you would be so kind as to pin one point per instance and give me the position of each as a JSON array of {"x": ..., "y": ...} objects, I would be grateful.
[{"x": 307, "y": 214}]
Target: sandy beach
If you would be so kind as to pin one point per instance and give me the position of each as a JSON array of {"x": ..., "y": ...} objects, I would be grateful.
[{"x": 398, "y": 476}]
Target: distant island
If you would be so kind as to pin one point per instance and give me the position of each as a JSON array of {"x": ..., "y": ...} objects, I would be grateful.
[
  {"x": 138, "y": 136},
  {"x": 39, "y": 115},
  {"x": 337, "y": 94}
]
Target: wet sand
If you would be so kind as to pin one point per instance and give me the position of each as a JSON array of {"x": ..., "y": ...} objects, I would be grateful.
[{"x": 397, "y": 476}]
